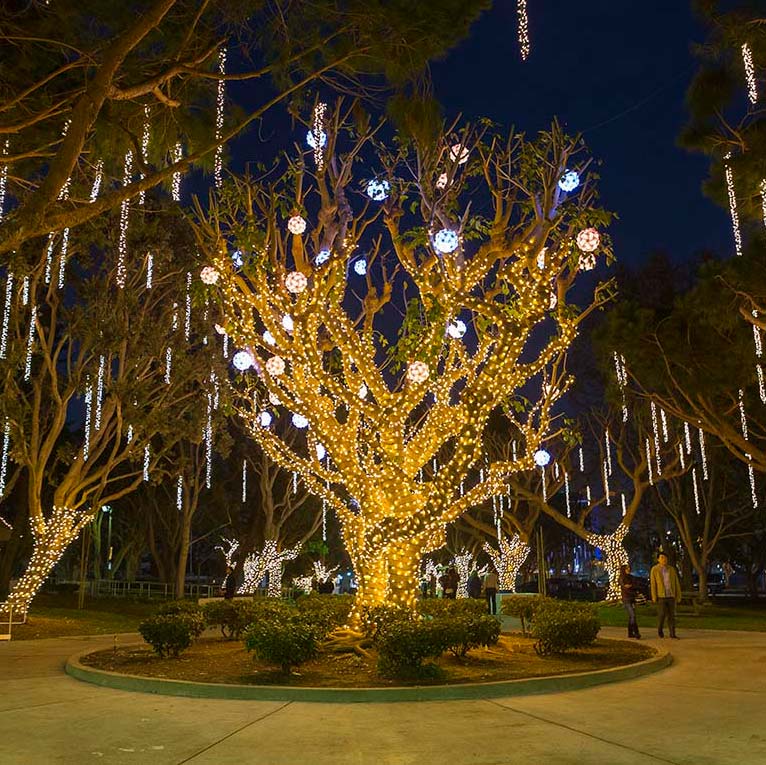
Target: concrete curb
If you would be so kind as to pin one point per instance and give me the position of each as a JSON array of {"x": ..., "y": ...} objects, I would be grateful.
[{"x": 497, "y": 689}]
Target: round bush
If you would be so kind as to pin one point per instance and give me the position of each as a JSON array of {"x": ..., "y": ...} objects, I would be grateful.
[
  {"x": 405, "y": 644},
  {"x": 325, "y": 612},
  {"x": 232, "y": 616},
  {"x": 167, "y": 634},
  {"x": 189, "y": 610},
  {"x": 521, "y": 607},
  {"x": 437, "y": 608},
  {"x": 561, "y": 626},
  {"x": 463, "y": 633},
  {"x": 285, "y": 641}
]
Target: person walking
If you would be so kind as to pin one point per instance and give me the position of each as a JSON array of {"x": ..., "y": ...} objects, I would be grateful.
[
  {"x": 628, "y": 594},
  {"x": 449, "y": 583},
  {"x": 474, "y": 585},
  {"x": 490, "y": 592},
  {"x": 666, "y": 591}
]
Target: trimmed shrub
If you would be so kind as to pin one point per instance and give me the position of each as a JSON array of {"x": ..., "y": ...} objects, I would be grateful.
[
  {"x": 462, "y": 633},
  {"x": 561, "y": 626},
  {"x": 232, "y": 616},
  {"x": 285, "y": 640},
  {"x": 521, "y": 607},
  {"x": 325, "y": 612},
  {"x": 438, "y": 608},
  {"x": 405, "y": 644},
  {"x": 380, "y": 619},
  {"x": 167, "y": 634},
  {"x": 189, "y": 610}
]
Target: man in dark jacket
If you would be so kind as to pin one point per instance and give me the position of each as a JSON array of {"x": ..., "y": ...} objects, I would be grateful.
[
  {"x": 474, "y": 585},
  {"x": 666, "y": 592}
]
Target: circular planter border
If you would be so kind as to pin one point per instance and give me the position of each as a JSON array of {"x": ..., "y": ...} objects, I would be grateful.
[{"x": 495, "y": 689}]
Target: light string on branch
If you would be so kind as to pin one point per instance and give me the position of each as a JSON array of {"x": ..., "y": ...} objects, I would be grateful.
[
  {"x": 757, "y": 340},
  {"x": 608, "y": 450},
  {"x": 696, "y": 490},
  {"x": 752, "y": 85},
  {"x": 566, "y": 491},
  {"x": 244, "y": 480},
  {"x": 6, "y": 315},
  {"x": 763, "y": 200},
  {"x": 733, "y": 206},
  {"x": 209, "y": 442},
  {"x": 703, "y": 453},
  {"x": 745, "y": 435},
  {"x": 175, "y": 188},
  {"x": 149, "y": 270},
  {"x": 30, "y": 343},
  {"x": 63, "y": 258},
  {"x": 4, "y": 458},
  {"x": 25, "y": 291},
  {"x": 219, "y": 104},
  {"x": 664, "y": 423},
  {"x": 147, "y": 460},
  {"x": 523, "y": 21},
  {"x": 187, "y": 316},
  {"x": 606, "y": 484},
  {"x": 168, "y": 364},
  {"x": 3, "y": 179},
  {"x": 649, "y": 462},
  {"x": 318, "y": 134},
  {"x": 49, "y": 257},
  {"x": 97, "y": 181},
  {"x": 144, "y": 149},
  {"x": 99, "y": 391},
  {"x": 656, "y": 434},
  {"x": 88, "y": 418},
  {"x": 122, "y": 245},
  {"x": 687, "y": 438},
  {"x": 681, "y": 456},
  {"x": 180, "y": 493}
]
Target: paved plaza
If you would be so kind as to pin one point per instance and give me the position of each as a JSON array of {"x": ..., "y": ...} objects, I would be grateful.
[{"x": 708, "y": 708}]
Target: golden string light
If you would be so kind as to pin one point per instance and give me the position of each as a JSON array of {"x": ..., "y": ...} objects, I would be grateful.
[
  {"x": 508, "y": 559},
  {"x": 463, "y": 563},
  {"x": 187, "y": 316},
  {"x": 615, "y": 556}
]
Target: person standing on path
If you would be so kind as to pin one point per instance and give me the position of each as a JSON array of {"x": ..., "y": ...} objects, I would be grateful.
[
  {"x": 474, "y": 585},
  {"x": 628, "y": 594},
  {"x": 449, "y": 583},
  {"x": 490, "y": 591},
  {"x": 666, "y": 591}
]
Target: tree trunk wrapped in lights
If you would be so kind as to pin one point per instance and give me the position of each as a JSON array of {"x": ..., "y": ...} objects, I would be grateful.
[
  {"x": 268, "y": 561},
  {"x": 615, "y": 556},
  {"x": 393, "y": 430},
  {"x": 508, "y": 559}
]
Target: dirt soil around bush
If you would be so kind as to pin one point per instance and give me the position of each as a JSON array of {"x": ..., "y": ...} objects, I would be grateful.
[{"x": 213, "y": 660}]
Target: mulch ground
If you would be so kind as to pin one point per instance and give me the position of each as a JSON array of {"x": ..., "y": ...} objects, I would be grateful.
[{"x": 214, "y": 660}]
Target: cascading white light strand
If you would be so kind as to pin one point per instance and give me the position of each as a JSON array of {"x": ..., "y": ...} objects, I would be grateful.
[
  {"x": 122, "y": 245},
  {"x": 582, "y": 461},
  {"x": 49, "y": 258},
  {"x": 757, "y": 340},
  {"x": 687, "y": 438},
  {"x": 763, "y": 200},
  {"x": 30, "y": 343},
  {"x": 225, "y": 345},
  {"x": 187, "y": 317},
  {"x": 545, "y": 485},
  {"x": 178, "y": 153},
  {"x": 209, "y": 443},
  {"x": 295, "y": 482},
  {"x": 97, "y": 181},
  {"x": 622, "y": 380},
  {"x": 513, "y": 449},
  {"x": 624, "y": 508},
  {"x": 144, "y": 150},
  {"x": 566, "y": 493},
  {"x": 324, "y": 520},
  {"x": 588, "y": 496},
  {"x": 556, "y": 470},
  {"x": 129, "y": 436},
  {"x": 523, "y": 21},
  {"x": 244, "y": 480},
  {"x": 701, "y": 435},
  {"x": 608, "y": 450},
  {"x": 3, "y": 179},
  {"x": 606, "y": 484},
  {"x": 681, "y": 456},
  {"x": 649, "y": 462},
  {"x": 745, "y": 435},
  {"x": 147, "y": 458},
  {"x": 180, "y": 493},
  {"x": 696, "y": 490},
  {"x": 4, "y": 458},
  {"x": 219, "y": 104},
  {"x": 752, "y": 85},
  {"x": 742, "y": 417},
  {"x": 88, "y": 418},
  {"x": 100, "y": 391},
  {"x": 733, "y": 207},
  {"x": 168, "y": 364},
  {"x": 25, "y": 291},
  {"x": 319, "y": 137},
  {"x": 216, "y": 390},
  {"x": 751, "y": 476},
  {"x": 664, "y": 423},
  {"x": 63, "y": 258},
  {"x": 6, "y": 315},
  {"x": 149, "y": 270},
  {"x": 656, "y": 434}
]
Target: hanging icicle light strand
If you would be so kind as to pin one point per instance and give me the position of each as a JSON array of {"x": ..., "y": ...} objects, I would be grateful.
[
  {"x": 147, "y": 457},
  {"x": 180, "y": 493},
  {"x": 178, "y": 153},
  {"x": 318, "y": 134},
  {"x": 3, "y": 180},
  {"x": 6, "y": 315},
  {"x": 4, "y": 459},
  {"x": 747, "y": 60},
  {"x": 88, "y": 419},
  {"x": 209, "y": 442},
  {"x": 733, "y": 207},
  {"x": 63, "y": 258},
  {"x": 144, "y": 149},
  {"x": 656, "y": 433},
  {"x": 187, "y": 317},
  {"x": 122, "y": 245},
  {"x": 100, "y": 391},
  {"x": 696, "y": 491},
  {"x": 149, "y": 270},
  {"x": 30, "y": 344},
  {"x": 97, "y": 181},
  {"x": 244, "y": 480},
  {"x": 219, "y": 104},
  {"x": 763, "y": 200},
  {"x": 523, "y": 21},
  {"x": 649, "y": 462},
  {"x": 701, "y": 435}
]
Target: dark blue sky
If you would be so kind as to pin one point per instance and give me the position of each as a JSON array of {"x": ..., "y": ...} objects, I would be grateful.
[{"x": 591, "y": 63}]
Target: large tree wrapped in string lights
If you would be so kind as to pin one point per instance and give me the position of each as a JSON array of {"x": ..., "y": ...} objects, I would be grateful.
[{"x": 347, "y": 242}]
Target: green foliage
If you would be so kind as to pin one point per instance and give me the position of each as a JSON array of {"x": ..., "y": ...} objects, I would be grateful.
[
  {"x": 188, "y": 610},
  {"x": 283, "y": 639},
  {"x": 463, "y": 632},
  {"x": 521, "y": 607},
  {"x": 380, "y": 619},
  {"x": 325, "y": 612},
  {"x": 439, "y": 608},
  {"x": 232, "y": 616},
  {"x": 405, "y": 644},
  {"x": 168, "y": 634},
  {"x": 561, "y": 626}
]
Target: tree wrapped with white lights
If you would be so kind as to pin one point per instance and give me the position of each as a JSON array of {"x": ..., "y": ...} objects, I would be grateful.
[{"x": 326, "y": 265}]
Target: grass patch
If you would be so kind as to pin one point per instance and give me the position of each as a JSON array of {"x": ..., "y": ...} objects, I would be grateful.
[{"x": 747, "y": 616}]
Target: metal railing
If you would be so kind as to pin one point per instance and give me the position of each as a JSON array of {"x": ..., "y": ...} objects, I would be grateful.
[{"x": 115, "y": 588}]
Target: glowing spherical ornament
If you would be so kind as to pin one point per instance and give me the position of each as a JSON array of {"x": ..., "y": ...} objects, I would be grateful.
[
  {"x": 299, "y": 421},
  {"x": 274, "y": 399},
  {"x": 208, "y": 275},
  {"x": 237, "y": 258},
  {"x": 322, "y": 257},
  {"x": 287, "y": 323},
  {"x": 554, "y": 299},
  {"x": 275, "y": 366},
  {"x": 265, "y": 419},
  {"x": 418, "y": 372},
  {"x": 321, "y": 451},
  {"x": 362, "y": 393},
  {"x": 269, "y": 338},
  {"x": 459, "y": 154},
  {"x": 587, "y": 262},
  {"x": 569, "y": 181},
  {"x": 219, "y": 329},
  {"x": 360, "y": 267},
  {"x": 446, "y": 240},
  {"x": 378, "y": 190},
  {"x": 441, "y": 181},
  {"x": 456, "y": 329},
  {"x": 295, "y": 282},
  {"x": 296, "y": 225},
  {"x": 588, "y": 239},
  {"x": 311, "y": 139},
  {"x": 243, "y": 360},
  {"x": 541, "y": 258},
  {"x": 542, "y": 458}
]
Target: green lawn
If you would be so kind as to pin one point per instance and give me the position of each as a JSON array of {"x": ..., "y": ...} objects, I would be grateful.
[{"x": 747, "y": 616}]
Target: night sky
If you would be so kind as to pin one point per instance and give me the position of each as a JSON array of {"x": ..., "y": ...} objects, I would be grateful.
[{"x": 617, "y": 70}]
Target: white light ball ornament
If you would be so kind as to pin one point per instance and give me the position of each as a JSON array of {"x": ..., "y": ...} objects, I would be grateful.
[
  {"x": 418, "y": 372},
  {"x": 441, "y": 181},
  {"x": 446, "y": 241},
  {"x": 265, "y": 419},
  {"x": 296, "y": 225},
  {"x": 588, "y": 240},
  {"x": 542, "y": 458},
  {"x": 243, "y": 360},
  {"x": 274, "y": 399},
  {"x": 237, "y": 258},
  {"x": 459, "y": 154},
  {"x": 456, "y": 329},
  {"x": 569, "y": 181},
  {"x": 295, "y": 282},
  {"x": 360, "y": 267},
  {"x": 311, "y": 139},
  {"x": 269, "y": 338},
  {"x": 300, "y": 422},
  {"x": 378, "y": 190},
  {"x": 321, "y": 452},
  {"x": 587, "y": 262},
  {"x": 322, "y": 257},
  {"x": 208, "y": 275},
  {"x": 275, "y": 366},
  {"x": 287, "y": 323},
  {"x": 219, "y": 329}
]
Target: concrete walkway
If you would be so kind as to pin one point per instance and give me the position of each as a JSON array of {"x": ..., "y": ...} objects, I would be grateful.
[{"x": 709, "y": 708}]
